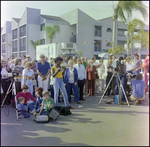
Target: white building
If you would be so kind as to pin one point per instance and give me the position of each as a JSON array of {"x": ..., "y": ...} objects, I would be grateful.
[{"x": 92, "y": 36}]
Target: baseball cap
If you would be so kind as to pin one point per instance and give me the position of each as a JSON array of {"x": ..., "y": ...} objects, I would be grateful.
[
  {"x": 28, "y": 56},
  {"x": 135, "y": 53}
]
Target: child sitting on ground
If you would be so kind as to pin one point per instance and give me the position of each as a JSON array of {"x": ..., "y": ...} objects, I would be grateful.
[
  {"x": 47, "y": 102},
  {"x": 22, "y": 112}
]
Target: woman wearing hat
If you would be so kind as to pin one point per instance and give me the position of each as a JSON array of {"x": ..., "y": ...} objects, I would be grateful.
[{"x": 129, "y": 66}]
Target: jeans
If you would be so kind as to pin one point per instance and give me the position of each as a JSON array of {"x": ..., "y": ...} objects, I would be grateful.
[
  {"x": 58, "y": 83},
  {"x": 26, "y": 115},
  {"x": 52, "y": 91},
  {"x": 123, "y": 79},
  {"x": 69, "y": 87},
  {"x": 31, "y": 105},
  {"x": 109, "y": 75},
  {"x": 44, "y": 112},
  {"x": 136, "y": 72}
]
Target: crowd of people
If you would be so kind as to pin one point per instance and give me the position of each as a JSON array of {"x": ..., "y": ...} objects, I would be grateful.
[{"x": 69, "y": 76}]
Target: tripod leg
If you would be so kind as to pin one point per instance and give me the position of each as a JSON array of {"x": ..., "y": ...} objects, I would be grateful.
[
  {"x": 14, "y": 91},
  {"x": 106, "y": 88},
  {"x": 123, "y": 90},
  {"x": 6, "y": 94}
]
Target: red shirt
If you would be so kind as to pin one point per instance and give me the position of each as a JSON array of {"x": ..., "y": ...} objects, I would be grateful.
[{"x": 27, "y": 96}]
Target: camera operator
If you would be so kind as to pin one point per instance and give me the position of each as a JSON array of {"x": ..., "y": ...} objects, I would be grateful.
[
  {"x": 121, "y": 69},
  {"x": 17, "y": 79},
  {"x": 138, "y": 89},
  {"x": 5, "y": 69}
]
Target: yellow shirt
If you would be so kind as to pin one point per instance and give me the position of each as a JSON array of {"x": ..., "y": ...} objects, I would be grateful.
[{"x": 59, "y": 74}]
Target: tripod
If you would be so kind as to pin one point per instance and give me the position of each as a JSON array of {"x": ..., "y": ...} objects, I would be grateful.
[
  {"x": 14, "y": 92},
  {"x": 118, "y": 85}
]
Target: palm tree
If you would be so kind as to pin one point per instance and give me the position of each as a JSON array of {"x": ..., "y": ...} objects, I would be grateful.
[
  {"x": 132, "y": 25},
  {"x": 127, "y": 7},
  {"x": 34, "y": 44},
  {"x": 51, "y": 31}
]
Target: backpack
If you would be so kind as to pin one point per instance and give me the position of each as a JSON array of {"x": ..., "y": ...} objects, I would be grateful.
[{"x": 63, "y": 111}]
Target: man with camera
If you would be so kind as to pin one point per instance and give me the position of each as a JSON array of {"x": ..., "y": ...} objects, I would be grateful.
[{"x": 121, "y": 70}]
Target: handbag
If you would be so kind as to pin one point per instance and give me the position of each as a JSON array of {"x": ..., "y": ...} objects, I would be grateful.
[
  {"x": 63, "y": 110},
  {"x": 53, "y": 113},
  {"x": 97, "y": 82},
  {"x": 34, "y": 82},
  {"x": 41, "y": 119}
]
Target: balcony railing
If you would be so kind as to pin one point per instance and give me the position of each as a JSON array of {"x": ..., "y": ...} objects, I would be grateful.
[
  {"x": 98, "y": 33},
  {"x": 122, "y": 35},
  {"x": 73, "y": 39}
]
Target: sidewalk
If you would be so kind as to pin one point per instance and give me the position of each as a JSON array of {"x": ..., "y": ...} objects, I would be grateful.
[{"x": 92, "y": 125}]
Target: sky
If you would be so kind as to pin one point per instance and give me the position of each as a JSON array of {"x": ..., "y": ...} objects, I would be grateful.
[{"x": 95, "y": 9}]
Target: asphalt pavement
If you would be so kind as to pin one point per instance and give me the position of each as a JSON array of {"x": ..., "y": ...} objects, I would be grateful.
[{"x": 91, "y": 125}]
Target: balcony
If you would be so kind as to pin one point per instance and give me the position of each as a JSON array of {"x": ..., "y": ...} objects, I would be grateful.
[
  {"x": 98, "y": 33},
  {"x": 73, "y": 39}
]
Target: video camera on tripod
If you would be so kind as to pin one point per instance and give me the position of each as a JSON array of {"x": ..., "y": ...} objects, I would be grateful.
[
  {"x": 120, "y": 66},
  {"x": 15, "y": 73}
]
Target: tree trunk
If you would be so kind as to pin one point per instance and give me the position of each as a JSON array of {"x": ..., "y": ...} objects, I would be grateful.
[
  {"x": 50, "y": 40},
  {"x": 114, "y": 34},
  {"x": 128, "y": 45}
]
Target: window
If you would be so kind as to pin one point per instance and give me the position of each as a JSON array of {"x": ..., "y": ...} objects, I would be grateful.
[
  {"x": 4, "y": 38},
  {"x": 98, "y": 31},
  {"x": 108, "y": 44},
  {"x": 42, "y": 41},
  {"x": 23, "y": 31},
  {"x": 15, "y": 34},
  {"x": 23, "y": 44},
  {"x": 3, "y": 48},
  {"x": 42, "y": 27},
  {"x": 22, "y": 53},
  {"x": 15, "y": 46},
  {"x": 97, "y": 45},
  {"x": 109, "y": 30}
]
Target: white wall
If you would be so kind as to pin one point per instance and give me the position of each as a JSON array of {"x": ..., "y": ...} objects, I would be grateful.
[
  {"x": 33, "y": 33},
  {"x": 63, "y": 36}
]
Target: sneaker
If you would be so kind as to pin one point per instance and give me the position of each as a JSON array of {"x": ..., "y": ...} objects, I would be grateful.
[
  {"x": 30, "y": 112},
  {"x": 123, "y": 103},
  {"x": 21, "y": 116},
  {"x": 97, "y": 92}
]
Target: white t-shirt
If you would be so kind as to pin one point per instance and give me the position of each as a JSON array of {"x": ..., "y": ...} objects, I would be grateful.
[
  {"x": 129, "y": 66},
  {"x": 4, "y": 72},
  {"x": 109, "y": 69},
  {"x": 96, "y": 63},
  {"x": 29, "y": 73}
]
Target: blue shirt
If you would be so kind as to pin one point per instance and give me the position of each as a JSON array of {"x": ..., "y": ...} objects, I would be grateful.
[
  {"x": 43, "y": 69},
  {"x": 138, "y": 88}
]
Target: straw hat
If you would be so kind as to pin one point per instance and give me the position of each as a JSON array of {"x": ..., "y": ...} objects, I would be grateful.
[{"x": 127, "y": 59}]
